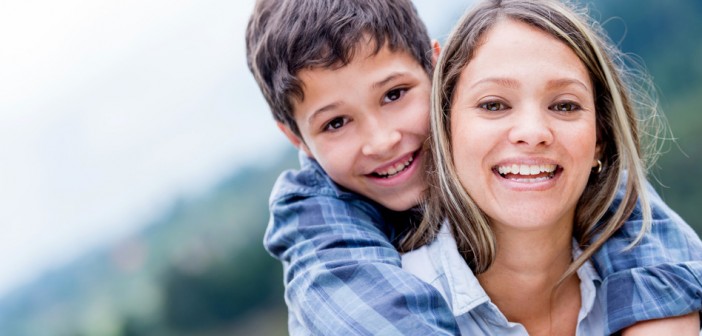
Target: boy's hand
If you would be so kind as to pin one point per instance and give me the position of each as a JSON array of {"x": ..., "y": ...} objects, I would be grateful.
[{"x": 680, "y": 325}]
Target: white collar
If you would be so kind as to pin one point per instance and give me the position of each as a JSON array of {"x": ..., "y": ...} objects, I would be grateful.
[{"x": 465, "y": 292}]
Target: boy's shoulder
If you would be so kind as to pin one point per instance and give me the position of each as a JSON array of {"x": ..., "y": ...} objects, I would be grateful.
[
  {"x": 309, "y": 180},
  {"x": 304, "y": 198}
]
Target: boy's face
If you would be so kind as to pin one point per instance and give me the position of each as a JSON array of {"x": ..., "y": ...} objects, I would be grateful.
[{"x": 365, "y": 123}]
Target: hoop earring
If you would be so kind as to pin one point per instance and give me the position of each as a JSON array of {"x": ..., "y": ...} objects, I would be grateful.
[{"x": 599, "y": 167}]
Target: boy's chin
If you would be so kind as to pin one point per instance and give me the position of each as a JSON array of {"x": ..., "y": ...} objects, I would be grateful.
[{"x": 400, "y": 203}]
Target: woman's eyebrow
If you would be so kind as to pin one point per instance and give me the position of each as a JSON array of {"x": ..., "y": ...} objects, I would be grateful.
[
  {"x": 564, "y": 82},
  {"x": 501, "y": 81}
]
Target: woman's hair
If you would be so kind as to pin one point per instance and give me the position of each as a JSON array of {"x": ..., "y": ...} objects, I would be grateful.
[{"x": 621, "y": 98}]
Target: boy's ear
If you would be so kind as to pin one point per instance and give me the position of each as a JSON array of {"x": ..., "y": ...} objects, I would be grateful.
[
  {"x": 293, "y": 138},
  {"x": 435, "y": 51}
]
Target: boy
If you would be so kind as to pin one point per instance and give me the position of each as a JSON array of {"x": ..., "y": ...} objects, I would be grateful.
[{"x": 348, "y": 84}]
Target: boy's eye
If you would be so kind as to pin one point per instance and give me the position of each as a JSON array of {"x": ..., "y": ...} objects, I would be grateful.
[
  {"x": 394, "y": 95},
  {"x": 565, "y": 107},
  {"x": 493, "y": 106},
  {"x": 335, "y": 124}
]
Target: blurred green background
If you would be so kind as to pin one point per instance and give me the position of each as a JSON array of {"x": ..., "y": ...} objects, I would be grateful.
[{"x": 201, "y": 269}]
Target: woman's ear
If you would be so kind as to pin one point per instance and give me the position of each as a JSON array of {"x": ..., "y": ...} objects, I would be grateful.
[
  {"x": 598, "y": 154},
  {"x": 435, "y": 51}
]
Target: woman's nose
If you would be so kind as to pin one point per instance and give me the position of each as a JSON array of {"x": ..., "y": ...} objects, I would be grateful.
[{"x": 531, "y": 127}]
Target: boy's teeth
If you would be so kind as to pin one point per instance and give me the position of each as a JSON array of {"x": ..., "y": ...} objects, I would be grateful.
[
  {"x": 396, "y": 168},
  {"x": 526, "y": 170}
]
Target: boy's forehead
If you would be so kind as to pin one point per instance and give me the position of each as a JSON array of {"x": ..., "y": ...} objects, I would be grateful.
[
  {"x": 362, "y": 82},
  {"x": 368, "y": 65}
]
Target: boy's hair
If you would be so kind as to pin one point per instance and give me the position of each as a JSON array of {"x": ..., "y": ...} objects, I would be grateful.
[{"x": 284, "y": 37}]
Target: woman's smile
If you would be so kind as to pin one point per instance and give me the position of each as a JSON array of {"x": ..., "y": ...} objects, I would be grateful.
[
  {"x": 527, "y": 173},
  {"x": 525, "y": 118}
]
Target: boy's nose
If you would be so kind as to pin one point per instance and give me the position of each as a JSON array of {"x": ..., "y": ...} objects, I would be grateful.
[
  {"x": 380, "y": 143},
  {"x": 531, "y": 128}
]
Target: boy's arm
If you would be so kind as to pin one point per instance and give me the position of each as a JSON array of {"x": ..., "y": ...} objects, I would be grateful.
[
  {"x": 660, "y": 277},
  {"x": 343, "y": 276},
  {"x": 681, "y": 325}
]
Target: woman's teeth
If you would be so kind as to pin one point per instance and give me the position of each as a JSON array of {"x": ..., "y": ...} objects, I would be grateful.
[
  {"x": 392, "y": 171},
  {"x": 527, "y": 173},
  {"x": 526, "y": 169}
]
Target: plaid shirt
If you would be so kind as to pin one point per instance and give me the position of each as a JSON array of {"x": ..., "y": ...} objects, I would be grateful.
[
  {"x": 660, "y": 277},
  {"x": 343, "y": 276}
]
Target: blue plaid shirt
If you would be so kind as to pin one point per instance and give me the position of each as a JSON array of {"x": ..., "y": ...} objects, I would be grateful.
[
  {"x": 660, "y": 277},
  {"x": 343, "y": 275}
]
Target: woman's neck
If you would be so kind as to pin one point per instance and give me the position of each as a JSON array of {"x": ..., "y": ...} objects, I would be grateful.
[{"x": 522, "y": 280}]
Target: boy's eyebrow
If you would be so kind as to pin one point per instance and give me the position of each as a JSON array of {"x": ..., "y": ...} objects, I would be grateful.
[
  {"x": 375, "y": 85},
  {"x": 321, "y": 110},
  {"x": 387, "y": 79}
]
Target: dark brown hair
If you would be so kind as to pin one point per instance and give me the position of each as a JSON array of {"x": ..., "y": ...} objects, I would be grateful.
[{"x": 286, "y": 36}]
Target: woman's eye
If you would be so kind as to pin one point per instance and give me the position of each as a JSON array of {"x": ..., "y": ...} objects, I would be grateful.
[
  {"x": 493, "y": 106},
  {"x": 335, "y": 124},
  {"x": 394, "y": 95},
  {"x": 565, "y": 107}
]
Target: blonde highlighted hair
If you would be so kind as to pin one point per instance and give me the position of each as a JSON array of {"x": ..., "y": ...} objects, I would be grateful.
[{"x": 623, "y": 105}]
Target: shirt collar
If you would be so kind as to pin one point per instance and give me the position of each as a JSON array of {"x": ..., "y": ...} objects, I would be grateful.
[
  {"x": 589, "y": 283},
  {"x": 465, "y": 292}
]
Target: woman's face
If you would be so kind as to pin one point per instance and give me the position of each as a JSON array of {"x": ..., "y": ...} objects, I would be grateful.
[{"x": 523, "y": 128}]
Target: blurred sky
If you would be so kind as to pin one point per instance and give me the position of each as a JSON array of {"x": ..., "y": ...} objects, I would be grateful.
[{"x": 112, "y": 109}]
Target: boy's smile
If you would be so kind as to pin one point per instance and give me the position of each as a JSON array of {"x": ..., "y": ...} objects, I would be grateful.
[
  {"x": 366, "y": 123},
  {"x": 392, "y": 170}
]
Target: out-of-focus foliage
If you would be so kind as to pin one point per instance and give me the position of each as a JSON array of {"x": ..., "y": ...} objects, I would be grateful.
[
  {"x": 201, "y": 269},
  {"x": 665, "y": 36}
]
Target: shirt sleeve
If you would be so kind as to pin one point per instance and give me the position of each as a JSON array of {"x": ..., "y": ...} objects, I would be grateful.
[
  {"x": 344, "y": 277},
  {"x": 659, "y": 277}
]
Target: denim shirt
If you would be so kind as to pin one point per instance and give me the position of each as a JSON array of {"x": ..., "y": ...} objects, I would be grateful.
[
  {"x": 343, "y": 275},
  {"x": 440, "y": 264}
]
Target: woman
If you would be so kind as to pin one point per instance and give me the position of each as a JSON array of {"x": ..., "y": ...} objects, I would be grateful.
[{"x": 532, "y": 126}]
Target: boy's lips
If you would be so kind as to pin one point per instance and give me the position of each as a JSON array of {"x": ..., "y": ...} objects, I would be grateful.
[{"x": 395, "y": 168}]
